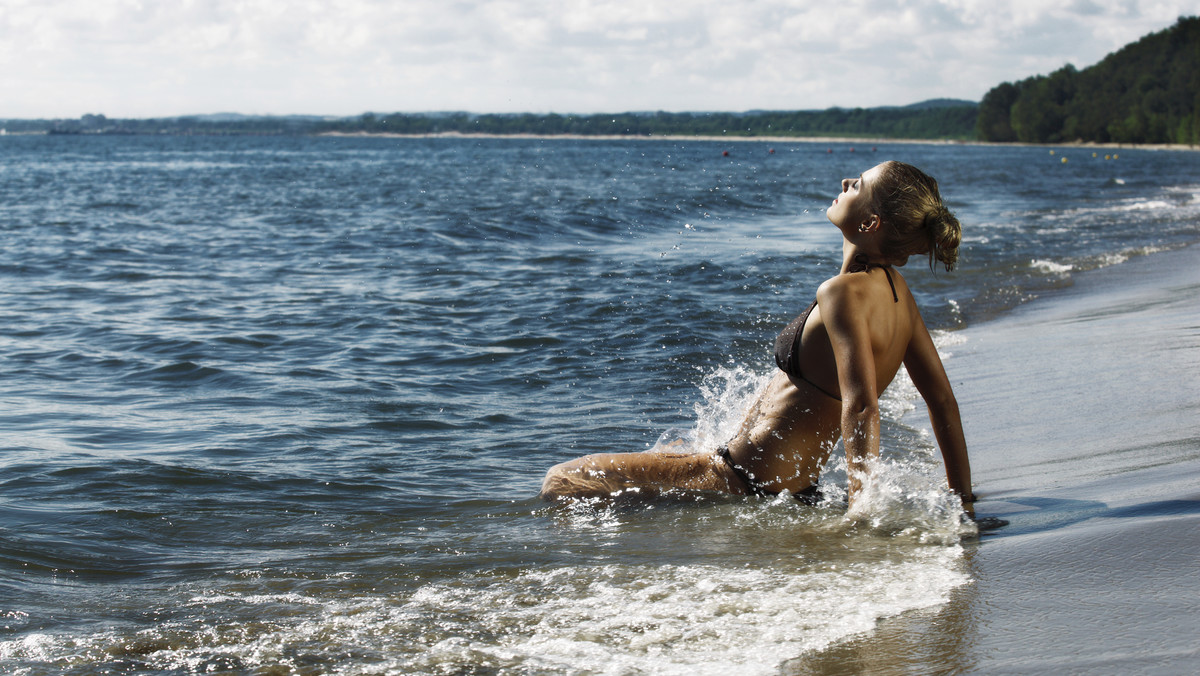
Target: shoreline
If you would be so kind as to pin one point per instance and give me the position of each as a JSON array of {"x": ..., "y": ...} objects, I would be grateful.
[{"x": 762, "y": 139}]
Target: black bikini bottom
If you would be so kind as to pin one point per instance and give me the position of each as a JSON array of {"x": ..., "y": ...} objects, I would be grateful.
[{"x": 808, "y": 496}]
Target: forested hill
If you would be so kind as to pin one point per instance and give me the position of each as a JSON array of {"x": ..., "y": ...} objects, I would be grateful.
[{"x": 1147, "y": 92}]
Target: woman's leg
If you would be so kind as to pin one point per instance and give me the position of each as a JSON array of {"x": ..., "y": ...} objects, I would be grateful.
[{"x": 604, "y": 474}]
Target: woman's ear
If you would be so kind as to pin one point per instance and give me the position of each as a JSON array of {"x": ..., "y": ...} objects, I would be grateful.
[{"x": 869, "y": 225}]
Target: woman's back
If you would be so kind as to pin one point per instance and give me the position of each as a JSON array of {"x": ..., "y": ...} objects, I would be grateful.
[{"x": 861, "y": 298}]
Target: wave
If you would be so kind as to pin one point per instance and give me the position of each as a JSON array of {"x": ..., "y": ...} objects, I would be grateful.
[{"x": 612, "y": 619}]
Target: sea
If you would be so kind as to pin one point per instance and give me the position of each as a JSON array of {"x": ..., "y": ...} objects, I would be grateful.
[{"x": 283, "y": 405}]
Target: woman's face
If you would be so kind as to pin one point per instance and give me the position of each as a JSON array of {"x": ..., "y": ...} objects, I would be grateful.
[{"x": 853, "y": 206}]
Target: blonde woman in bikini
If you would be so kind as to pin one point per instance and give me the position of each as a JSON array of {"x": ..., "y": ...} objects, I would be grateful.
[{"x": 834, "y": 361}]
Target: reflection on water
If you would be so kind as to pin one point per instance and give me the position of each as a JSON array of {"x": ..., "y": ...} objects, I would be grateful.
[{"x": 1033, "y": 514}]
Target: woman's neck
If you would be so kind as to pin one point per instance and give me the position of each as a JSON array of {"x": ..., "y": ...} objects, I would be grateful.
[{"x": 855, "y": 255}]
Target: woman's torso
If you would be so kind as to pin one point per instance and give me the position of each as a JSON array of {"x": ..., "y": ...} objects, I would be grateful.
[{"x": 795, "y": 423}]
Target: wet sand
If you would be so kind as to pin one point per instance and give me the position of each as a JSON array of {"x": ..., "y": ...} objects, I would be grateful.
[{"x": 1082, "y": 414}]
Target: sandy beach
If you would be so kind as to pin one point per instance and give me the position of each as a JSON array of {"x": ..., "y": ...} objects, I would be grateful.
[{"x": 1081, "y": 412}]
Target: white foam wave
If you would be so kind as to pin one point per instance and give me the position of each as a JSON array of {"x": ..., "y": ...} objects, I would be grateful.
[
  {"x": 1144, "y": 205},
  {"x": 1179, "y": 203},
  {"x": 1116, "y": 258},
  {"x": 605, "y": 619},
  {"x": 943, "y": 339},
  {"x": 1189, "y": 195},
  {"x": 683, "y": 619},
  {"x": 1051, "y": 267}
]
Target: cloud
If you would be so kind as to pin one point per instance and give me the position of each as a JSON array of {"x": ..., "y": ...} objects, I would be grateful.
[{"x": 143, "y": 58}]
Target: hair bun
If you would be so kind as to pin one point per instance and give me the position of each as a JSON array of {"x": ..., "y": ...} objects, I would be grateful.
[
  {"x": 945, "y": 234},
  {"x": 908, "y": 200}
]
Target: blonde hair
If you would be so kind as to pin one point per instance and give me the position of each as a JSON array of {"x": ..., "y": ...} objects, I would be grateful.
[{"x": 908, "y": 202}]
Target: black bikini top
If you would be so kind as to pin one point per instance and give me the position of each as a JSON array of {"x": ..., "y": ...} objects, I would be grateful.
[{"x": 787, "y": 344}]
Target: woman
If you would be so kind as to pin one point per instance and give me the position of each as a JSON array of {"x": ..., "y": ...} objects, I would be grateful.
[{"x": 834, "y": 361}]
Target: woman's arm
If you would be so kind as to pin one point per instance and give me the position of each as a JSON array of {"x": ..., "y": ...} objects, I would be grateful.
[
  {"x": 927, "y": 373},
  {"x": 841, "y": 306}
]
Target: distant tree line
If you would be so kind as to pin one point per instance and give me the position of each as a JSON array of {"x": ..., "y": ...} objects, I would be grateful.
[
  {"x": 1147, "y": 92},
  {"x": 952, "y": 121},
  {"x": 234, "y": 125},
  {"x": 931, "y": 120}
]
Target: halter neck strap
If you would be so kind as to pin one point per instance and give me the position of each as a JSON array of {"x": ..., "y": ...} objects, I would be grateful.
[{"x": 861, "y": 264}]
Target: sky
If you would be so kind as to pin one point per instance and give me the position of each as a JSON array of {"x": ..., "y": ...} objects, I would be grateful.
[{"x": 162, "y": 58}]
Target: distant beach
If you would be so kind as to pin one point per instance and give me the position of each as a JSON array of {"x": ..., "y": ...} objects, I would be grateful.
[{"x": 766, "y": 139}]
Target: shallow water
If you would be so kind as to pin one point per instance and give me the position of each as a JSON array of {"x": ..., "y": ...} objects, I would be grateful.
[{"x": 286, "y": 402}]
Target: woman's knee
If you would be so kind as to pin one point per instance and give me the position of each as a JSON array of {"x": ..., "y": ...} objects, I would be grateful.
[
  {"x": 555, "y": 481},
  {"x": 574, "y": 478}
]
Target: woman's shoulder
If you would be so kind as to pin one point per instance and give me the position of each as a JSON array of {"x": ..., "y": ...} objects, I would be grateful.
[
  {"x": 843, "y": 287},
  {"x": 854, "y": 291}
]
